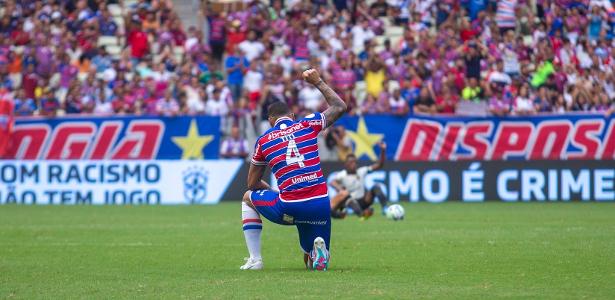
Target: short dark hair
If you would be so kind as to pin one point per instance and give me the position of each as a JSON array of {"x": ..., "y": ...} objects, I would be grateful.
[
  {"x": 350, "y": 156},
  {"x": 278, "y": 109}
]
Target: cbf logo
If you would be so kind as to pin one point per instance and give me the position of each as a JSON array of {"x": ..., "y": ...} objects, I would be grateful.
[{"x": 195, "y": 185}]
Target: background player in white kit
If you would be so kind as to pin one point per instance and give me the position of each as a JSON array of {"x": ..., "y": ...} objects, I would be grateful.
[{"x": 351, "y": 191}]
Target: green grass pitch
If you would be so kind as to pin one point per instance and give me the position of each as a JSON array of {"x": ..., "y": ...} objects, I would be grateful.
[{"x": 452, "y": 250}]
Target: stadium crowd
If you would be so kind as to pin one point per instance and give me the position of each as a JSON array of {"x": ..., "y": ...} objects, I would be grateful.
[{"x": 506, "y": 57}]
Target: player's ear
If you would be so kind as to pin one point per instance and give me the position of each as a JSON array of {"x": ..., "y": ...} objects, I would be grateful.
[{"x": 292, "y": 116}]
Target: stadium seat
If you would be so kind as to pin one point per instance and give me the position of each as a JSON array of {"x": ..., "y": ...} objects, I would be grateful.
[
  {"x": 393, "y": 85},
  {"x": 18, "y": 49},
  {"x": 99, "y": 75},
  {"x": 380, "y": 42},
  {"x": 119, "y": 21},
  {"x": 385, "y": 21},
  {"x": 115, "y": 10},
  {"x": 54, "y": 80},
  {"x": 107, "y": 41},
  {"x": 470, "y": 108},
  {"x": 527, "y": 40},
  {"x": 394, "y": 34},
  {"x": 179, "y": 53},
  {"x": 393, "y": 31},
  {"x": 155, "y": 47},
  {"x": 114, "y": 50},
  {"x": 82, "y": 76},
  {"x": 16, "y": 79},
  {"x": 395, "y": 40}
]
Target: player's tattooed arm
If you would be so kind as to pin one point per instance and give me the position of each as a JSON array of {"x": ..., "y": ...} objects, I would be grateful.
[
  {"x": 255, "y": 173},
  {"x": 337, "y": 106}
]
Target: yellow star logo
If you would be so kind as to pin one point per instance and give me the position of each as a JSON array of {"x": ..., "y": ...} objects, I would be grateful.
[
  {"x": 192, "y": 145},
  {"x": 364, "y": 141}
]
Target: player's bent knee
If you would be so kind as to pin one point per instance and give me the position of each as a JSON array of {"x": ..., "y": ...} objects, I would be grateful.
[{"x": 246, "y": 197}]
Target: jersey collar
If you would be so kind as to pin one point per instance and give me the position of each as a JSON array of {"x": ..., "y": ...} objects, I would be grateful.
[{"x": 282, "y": 119}]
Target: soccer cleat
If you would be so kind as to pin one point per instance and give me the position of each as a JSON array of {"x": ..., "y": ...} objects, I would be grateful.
[
  {"x": 319, "y": 255},
  {"x": 252, "y": 264}
]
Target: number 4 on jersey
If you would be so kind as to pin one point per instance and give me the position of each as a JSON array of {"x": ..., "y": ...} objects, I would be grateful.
[{"x": 292, "y": 154}]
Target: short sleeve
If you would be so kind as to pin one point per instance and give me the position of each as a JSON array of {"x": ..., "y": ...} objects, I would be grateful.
[
  {"x": 339, "y": 175},
  {"x": 229, "y": 62},
  {"x": 224, "y": 147},
  {"x": 258, "y": 158},
  {"x": 316, "y": 121},
  {"x": 362, "y": 171}
]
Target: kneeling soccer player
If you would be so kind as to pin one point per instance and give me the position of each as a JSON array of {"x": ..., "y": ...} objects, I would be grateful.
[
  {"x": 351, "y": 192},
  {"x": 290, "y": 149}
]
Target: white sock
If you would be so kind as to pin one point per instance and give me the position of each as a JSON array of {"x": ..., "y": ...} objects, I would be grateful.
[{"x": 252, "y": 227}]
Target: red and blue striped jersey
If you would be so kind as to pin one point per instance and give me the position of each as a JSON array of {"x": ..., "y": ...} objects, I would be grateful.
[{"x": 290, "y": 149}]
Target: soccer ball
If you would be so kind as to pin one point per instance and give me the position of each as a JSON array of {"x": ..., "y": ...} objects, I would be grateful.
[{"x": 395, "y": 212}]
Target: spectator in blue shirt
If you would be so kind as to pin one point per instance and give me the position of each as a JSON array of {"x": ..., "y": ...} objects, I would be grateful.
[
  {"x": 5, "y": 81},
  {"x": 101, "y": 60},
  {"x": 24, "y": 106},
  {"x": 106, "y": 24},
  {"x": 610, "y": 30},
  {"x": 236, "y": 64}
]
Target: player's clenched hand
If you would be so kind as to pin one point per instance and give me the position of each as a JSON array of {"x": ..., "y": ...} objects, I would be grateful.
[
  {"x": 311, "y": 76},
  {"x": 383, "y": 146}
]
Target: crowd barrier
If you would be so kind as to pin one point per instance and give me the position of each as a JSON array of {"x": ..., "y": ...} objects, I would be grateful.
[
  {"x": 478, "y": 181},
  {"x": 116, "y": 181},
  {"x": 174, "y": 160},
  {"x": 212, "y": 181},
  {"x": 116, "y": 138},
  {"x": 446, "y": 138},
  {"x": 415, "y": 138}
]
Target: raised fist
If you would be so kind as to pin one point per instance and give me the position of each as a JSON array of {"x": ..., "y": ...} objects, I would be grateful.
[{"x": 311, "y": 76}]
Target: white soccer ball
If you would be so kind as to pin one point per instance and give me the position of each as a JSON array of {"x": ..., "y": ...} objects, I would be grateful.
[{"x": 395, "y": 212}]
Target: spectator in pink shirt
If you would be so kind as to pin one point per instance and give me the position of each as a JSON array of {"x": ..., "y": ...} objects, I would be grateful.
[
  {"x": 371, "y": 106},
  {"x": 343, "y": 76},
  {"x": 167, "y": 106},
  {"x": 234, "y": 146}
]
